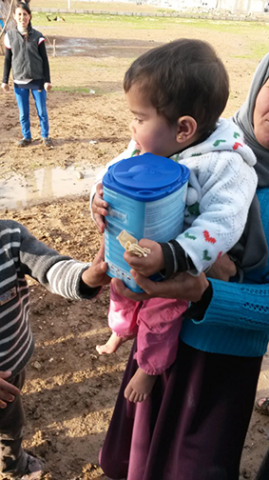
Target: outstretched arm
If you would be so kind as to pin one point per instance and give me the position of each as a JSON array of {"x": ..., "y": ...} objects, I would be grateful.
[{"x": 58, "y": 273}]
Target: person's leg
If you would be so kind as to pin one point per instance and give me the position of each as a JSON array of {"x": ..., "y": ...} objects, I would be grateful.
[
  {"x": 11, "y": 424},
  {"x": 159, "y": 323},
  {"x": 22, "y": 97},
  {"x": 122, "y": 317},
  {"x": 40, "y": 97},
  {"x": 14, "y": 461}
]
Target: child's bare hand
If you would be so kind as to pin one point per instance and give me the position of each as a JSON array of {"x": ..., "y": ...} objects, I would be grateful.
[
  {"x": 99, "y": 208},
  {"x": 146, "y": 266},
  {"x": 95, "y": 275},
  {"x": 7, "y": 390}
]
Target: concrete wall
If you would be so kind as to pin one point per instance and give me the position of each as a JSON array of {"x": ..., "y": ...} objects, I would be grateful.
[
  {"x": 242, "y": 6},
  {"x": 233, "y": 6}
]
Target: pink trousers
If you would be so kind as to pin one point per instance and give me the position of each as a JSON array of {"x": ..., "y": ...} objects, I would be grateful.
[{"x": 156, "y": 323}]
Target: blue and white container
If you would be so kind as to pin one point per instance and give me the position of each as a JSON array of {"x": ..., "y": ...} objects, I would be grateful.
[{"x": 146, "y": 196}]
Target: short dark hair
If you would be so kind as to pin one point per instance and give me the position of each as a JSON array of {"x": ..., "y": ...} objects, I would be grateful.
[{"x": 184, "y": 77}]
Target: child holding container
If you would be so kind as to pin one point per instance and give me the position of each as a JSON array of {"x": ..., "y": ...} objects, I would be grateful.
[{"x": 177, "y": 93}]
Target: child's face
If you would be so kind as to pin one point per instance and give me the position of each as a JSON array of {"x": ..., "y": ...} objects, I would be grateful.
[{"x": 151, "y": 132}]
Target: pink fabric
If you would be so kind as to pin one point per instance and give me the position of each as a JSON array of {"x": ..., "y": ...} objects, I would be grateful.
[
  {"x": 157, "y": 323},
  {"x": 122, "y": 314}
]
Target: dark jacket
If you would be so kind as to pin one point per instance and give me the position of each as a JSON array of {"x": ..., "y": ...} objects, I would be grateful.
[{"x": 26, "y": 59}]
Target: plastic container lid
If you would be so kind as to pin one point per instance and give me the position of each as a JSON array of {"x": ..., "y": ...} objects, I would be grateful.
[{"x": 146, "y": 177}]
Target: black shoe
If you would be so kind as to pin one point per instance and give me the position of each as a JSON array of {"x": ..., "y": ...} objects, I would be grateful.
[
  {"x": 48, "y": 142},
  {"x": 24, "y": 142}
]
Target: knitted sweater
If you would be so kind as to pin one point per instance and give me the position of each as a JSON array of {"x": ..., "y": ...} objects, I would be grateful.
[
  {"x": 222, "y": 186},
  {"x": 21, "y": 254},
  {"x": 237, "y": 319}
]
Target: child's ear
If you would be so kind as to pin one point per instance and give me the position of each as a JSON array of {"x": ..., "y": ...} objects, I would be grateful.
[{"x": 186, "y": 129}]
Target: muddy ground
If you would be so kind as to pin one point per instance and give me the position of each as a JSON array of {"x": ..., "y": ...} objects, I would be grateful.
[{"x": 70, "y": 390}]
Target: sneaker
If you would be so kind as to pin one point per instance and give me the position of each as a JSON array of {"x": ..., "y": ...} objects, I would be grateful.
[
  {"x": 47, "y": 142},
  {"x": 34, "y": 468},
  {"x": 24, "y": 142}
]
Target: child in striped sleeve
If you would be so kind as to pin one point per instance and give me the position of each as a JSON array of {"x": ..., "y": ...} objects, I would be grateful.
[{"x": 22, "y": 254}]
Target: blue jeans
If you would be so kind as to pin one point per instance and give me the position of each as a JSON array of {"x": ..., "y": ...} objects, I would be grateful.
[{"x": 22, "y": 97}]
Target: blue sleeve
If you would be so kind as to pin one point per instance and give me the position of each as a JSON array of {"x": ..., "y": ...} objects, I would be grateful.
[{"x": 240, "y": 305}]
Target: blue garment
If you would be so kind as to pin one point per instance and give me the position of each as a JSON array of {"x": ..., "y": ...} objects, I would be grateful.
[
  {"x": 237, "y": 319},
  {"x": 22, "y": 97}
]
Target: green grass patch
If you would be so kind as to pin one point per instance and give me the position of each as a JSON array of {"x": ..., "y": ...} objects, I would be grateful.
[
  {"x": 62, "y": 88},
  {"x": 259, "y": 50},
  {"x": 256, "y": 52},
  {"x": 84, "y": 90},
  {"x": 151, "y": 22}
]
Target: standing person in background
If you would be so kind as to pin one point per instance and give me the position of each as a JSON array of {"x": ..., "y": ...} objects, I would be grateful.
[
  {"x": 26, "y": 55},
  {"x": 194, "y": 424}
]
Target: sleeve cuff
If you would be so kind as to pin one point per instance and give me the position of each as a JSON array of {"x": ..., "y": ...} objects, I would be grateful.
[
  {"x": 175, "y": 259},
  {"x": 197, "y": 310}
]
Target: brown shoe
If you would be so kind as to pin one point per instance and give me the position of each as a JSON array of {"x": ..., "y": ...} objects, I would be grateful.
[
  {"x": 24, "y": 142},
  {"x": 47, "y": 142}
]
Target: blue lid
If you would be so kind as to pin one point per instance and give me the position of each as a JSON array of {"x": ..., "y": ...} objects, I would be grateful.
[{"x": 146, "y": 177}]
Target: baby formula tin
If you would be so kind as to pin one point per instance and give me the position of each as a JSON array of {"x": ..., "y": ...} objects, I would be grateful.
[{"x": 146, "y": 196}]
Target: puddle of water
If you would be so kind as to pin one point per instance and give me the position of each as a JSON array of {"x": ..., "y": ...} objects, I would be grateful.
[
  {"x": 45, "y": 184},
  {"x": 96, "y": 47}
]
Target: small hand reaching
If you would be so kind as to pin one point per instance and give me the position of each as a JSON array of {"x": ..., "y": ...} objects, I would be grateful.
[
  {"x": 95, "y": 275},
  {"x": 99, "y": 208},
  {"x": 7, "y": 390}
]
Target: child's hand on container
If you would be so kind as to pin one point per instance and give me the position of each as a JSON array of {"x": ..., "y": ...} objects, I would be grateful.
[
  {"x": 152, "y": 263},
  {"x": 99, "y": 208}
]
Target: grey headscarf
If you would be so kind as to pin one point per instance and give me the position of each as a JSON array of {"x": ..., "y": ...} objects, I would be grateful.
[{"x": 252, "y": 251}]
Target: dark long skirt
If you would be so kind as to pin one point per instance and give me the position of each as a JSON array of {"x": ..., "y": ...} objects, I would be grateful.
[
  {"x": 263, "y": 473},
  {"x": 193, "y": 425}
]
